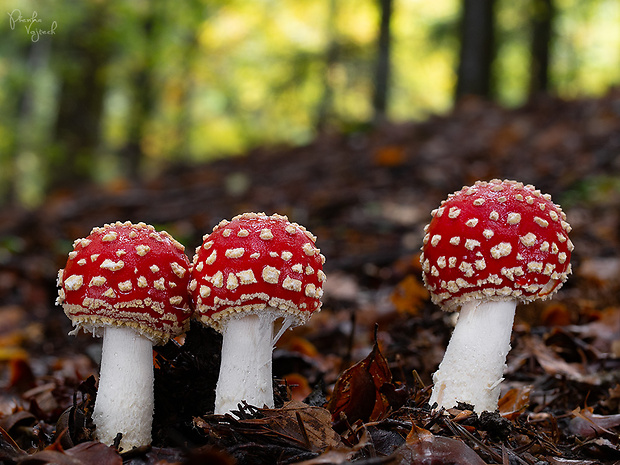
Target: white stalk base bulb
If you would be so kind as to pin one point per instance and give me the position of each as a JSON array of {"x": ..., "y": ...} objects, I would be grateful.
[
  {"x": 124, "y": 401},
  {"x": 473, "y": 366}
]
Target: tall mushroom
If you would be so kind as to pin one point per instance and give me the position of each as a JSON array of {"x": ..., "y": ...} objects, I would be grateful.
[
  {"x": 250, "y": 272},
  {"x": 487, "y": 247},
  {"x": 128, "y": 283}
]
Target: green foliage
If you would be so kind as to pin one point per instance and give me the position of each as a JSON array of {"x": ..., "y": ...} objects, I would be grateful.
[
  {"x": 593, "y": 191},
  {"x": 120, "y": 88}
]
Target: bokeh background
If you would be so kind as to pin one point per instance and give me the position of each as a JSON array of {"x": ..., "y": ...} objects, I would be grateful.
[{"x": 108, "y": 91}]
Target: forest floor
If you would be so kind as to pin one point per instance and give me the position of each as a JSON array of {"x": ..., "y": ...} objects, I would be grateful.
[{"x": 367, "y": 195}]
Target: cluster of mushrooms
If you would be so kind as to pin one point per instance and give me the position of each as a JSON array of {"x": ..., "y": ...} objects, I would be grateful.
[{"x": 487, "y": 247}]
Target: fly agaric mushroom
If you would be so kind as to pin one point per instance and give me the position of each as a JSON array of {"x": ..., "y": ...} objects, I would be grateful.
[
  {"x": 249, "y": 273},
  {"x": 127, "y": 283},
  {"x": 487, "y": 247}
]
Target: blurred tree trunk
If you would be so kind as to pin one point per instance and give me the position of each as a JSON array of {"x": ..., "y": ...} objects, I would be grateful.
[
  {"x": 477, "y": 48},
  {"x": 542, "y": 30},
  {"x": 27, "y": 173},
  {"x": 326, "y": 105},
  {"x": 142, "y": 103},
  {"x": 19, "y": 105},
  {"x": 190, "y": 50},
  {"x": 132, "y": 153},
  {"x": 382, "y": 71},
  {"x": 85, "y": 54}
]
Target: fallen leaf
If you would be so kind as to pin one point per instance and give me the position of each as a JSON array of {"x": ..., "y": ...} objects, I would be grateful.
[
  {"x": 588, "y": 424},
  {"x": 602, "y": 448},
  {"x": 603, "y": 331},
  {"x": 555, "y": 314},
  {"x": 409, "y": 295},
  {"x": 9, "y": 450},
  {"x": 391, "y": 155},
  {"x": 310, "y": 426},
  {"x": 550, "y": 361},
  {"x": 357, "y": 392},
  {"x": 298, "y": 386},
  {"x": 514, "y": 402},
  {"x": 424, "y": 448},
  {"x": 208, "y": 455},
  {"x": 331, "y": 457},
  {"x": 86, "y": 453}
]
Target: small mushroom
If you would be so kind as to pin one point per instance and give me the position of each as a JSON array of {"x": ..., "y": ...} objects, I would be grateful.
[
  {"x": 128, "y": 283},
  {"x": 487, "y": 247},
  {"x": 248, "y": 274}
]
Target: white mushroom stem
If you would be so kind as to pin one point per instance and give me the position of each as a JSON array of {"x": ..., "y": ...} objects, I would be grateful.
[
  {"x": 246, "y": 367},
  {"x": 473, "y": 366},
  {"x": 125, "y": 396}
]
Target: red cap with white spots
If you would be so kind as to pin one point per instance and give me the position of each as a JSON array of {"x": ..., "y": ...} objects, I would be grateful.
[
  {"x": 253, "y": 262},
  {"x": 126, "y": 274},
  {"x": 495, "y": 240}
]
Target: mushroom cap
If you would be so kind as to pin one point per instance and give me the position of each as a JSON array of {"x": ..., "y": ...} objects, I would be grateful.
[
  {"x": 254, "y": 262},
  {"x": 126, "y": 274},
  {"x": 495, "y": 240}
]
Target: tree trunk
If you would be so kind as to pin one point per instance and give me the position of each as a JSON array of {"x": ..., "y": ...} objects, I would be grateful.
[
  {"x": 142, "y": 104},
  {"x": 477, "y": 48},
  {"x": 81, "y": 100},
  {"x": 542, "y": 30},
  {"x": 382, "y": 71},
  {"x": 325, "y": 109}
]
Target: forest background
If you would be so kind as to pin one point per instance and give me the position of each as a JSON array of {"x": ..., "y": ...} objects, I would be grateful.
[{"x": 107, "y": 91}]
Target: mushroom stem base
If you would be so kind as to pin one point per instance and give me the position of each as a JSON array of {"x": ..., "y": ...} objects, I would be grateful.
[
  {"x": 473, "y": 365},
  {"x": 245, "y": 371},
  {"x": 125, "y": 396}
]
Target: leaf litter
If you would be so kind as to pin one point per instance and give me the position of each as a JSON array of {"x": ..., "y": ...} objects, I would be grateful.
[{"x": 353, "y": 385}]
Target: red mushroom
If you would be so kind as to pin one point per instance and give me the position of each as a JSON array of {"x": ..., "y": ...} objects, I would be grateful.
[
  {"x": 487, "y": 247},
  {"x": 127, "y": 283},
  {"x": 248, "y": 273}
]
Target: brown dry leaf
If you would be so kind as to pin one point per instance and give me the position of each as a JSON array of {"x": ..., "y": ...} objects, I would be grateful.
[
  {"x": 341, "y": 286},
  {"x": 13, "y": 320},
  {"x": 551, "y": 362},
  {"x": 357, "y": 393},
  {"x": 310, "y": 426},
  {"x": 514, "y": 402},
  {"x": 409, "y": 295},
  {"x": 603, "y": 332},
  {"x": 21, "y": 376},
  {"x": 423, "y": 447},
  {"x": 588, "y": 424},
  {"x": 391, "y": 155},
  {"x": 555, "y": 314},
  {"x": 19, "y": 416},
  {"x": 207, "y": 455},
  {"x": 298, "y": 386},
  {"x": 86, "y": 453},
  {"x": 266, "y": 436},
  {"x": 331, "y": 457},
  {"x": 612, "y": 403},
  {"x": 9, "y": 450},
  {"x": 300, "y": 345},
  {"x": 599, "y": 269},
  {"x": 602, "y": 448},
  {"x": 340, "y": 455}
]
